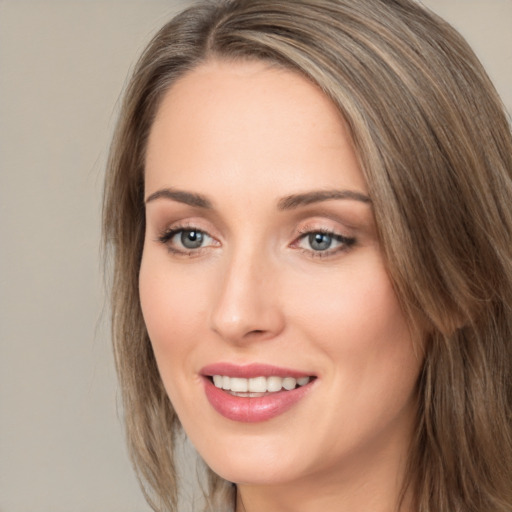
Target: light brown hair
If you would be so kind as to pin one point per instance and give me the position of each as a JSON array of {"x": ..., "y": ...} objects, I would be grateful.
[{"x": 435, "y": 147}]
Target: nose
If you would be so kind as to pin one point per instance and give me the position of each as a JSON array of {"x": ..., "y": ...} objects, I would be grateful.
[{"x": 247, "y": 305}]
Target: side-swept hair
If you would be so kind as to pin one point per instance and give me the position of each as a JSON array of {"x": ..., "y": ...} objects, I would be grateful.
[{"x": 435, "y": 147}]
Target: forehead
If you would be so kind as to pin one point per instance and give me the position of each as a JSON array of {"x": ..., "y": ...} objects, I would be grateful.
[{"x": 248, "y": 119}]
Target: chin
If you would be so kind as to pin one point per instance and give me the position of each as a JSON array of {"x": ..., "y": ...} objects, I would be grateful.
[
  {"x": 254, "y": 467},
  {"x": 251, "y": 474}
]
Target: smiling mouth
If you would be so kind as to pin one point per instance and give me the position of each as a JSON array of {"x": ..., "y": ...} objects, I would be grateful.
[
  {"x": 254, "y": 392},
  {"x": 257, "y": 386}
]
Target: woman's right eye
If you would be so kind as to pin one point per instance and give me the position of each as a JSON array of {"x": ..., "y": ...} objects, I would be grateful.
[{"x": 186, "y": 240}]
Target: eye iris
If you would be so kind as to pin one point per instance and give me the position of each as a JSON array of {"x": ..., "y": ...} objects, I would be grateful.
[
  {"x": 320, "y": 241},
  {"x": 191, "y": 239}
]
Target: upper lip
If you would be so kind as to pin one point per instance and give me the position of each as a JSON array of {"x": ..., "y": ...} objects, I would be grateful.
[{"x": 248, "y": 371}]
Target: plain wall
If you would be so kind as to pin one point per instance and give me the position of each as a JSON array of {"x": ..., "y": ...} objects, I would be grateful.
[{"x": 62, "y": 67}]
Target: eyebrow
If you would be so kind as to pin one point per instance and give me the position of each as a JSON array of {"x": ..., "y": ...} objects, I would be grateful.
[
  {"x": 296, "y": 200},
  {"x": 286, "y": 203},
  {"x": 180, "y": 196}
]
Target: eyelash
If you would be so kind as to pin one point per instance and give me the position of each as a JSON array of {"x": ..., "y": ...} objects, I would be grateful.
[
  {"x": 346, "y": 242},
  {"x": 166, "y": 237}
]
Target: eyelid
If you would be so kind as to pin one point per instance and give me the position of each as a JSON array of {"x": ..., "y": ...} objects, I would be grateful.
[
  {"x": 323, "y": 225},
  {"x": 345, "y": 241},
  {"x": 166, "y": 235},
  {"x": 342, "y": 240}
]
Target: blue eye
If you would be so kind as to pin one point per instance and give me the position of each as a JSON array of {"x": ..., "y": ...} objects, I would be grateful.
[
  {"x": 191, "y": 238},
  {"x": 185, "y": 240},
  {"x": 320, "y": 243}
]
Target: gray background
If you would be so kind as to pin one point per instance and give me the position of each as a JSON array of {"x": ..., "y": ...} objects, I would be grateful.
[{"x": 62, "y": 66}]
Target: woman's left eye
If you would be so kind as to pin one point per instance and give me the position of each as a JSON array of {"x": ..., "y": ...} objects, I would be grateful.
[{"x": 322, "y": 242}]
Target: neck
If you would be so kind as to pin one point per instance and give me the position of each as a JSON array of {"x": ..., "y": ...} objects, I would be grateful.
[{"x": 307, "y": 499}]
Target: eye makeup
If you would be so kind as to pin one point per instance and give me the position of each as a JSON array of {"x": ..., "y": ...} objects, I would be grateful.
[{"x": 323, "y": 243}]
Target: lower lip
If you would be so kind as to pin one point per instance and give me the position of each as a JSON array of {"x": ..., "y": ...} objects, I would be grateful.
[{"x": 253, "y": 409}]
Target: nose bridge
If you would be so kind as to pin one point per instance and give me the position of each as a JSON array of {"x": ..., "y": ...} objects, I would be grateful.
[{"x": 246, "y": 304}]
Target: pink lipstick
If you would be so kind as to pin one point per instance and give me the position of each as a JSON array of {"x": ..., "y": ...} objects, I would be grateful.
[{"x": 255, "y": 392}]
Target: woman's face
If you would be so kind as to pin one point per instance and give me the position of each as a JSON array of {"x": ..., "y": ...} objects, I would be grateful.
[{"x": 262, "y": 271}]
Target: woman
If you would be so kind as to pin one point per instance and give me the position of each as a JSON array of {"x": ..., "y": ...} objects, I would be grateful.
[{"x": 309, "y": 206}]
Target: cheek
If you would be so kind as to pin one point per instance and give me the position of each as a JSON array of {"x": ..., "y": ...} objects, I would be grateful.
[
  {"x": 367, "y": 354},
  {"x": 171, "y": 304},
  {"x": 357, "y": 323},
  {"x": 356, "y": 303}
]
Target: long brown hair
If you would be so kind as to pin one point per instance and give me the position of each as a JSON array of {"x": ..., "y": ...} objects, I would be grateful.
[{"x": 436, "y": 149}]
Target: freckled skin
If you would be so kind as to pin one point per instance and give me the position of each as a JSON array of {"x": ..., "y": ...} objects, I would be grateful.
[{"x": 246, "y": 135}]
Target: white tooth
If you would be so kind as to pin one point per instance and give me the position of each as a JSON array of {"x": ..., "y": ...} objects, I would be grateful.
[
  {"x": 274, "y": 384},
  {"x": 226, "y": 383},
  {"x": 258, "y": 385},
  {"x": 302, "y": 381},
  {"x": 289, "y": 383},
  {"x": 218, "y": 380},
  {"x": 239, "y": 385}
]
